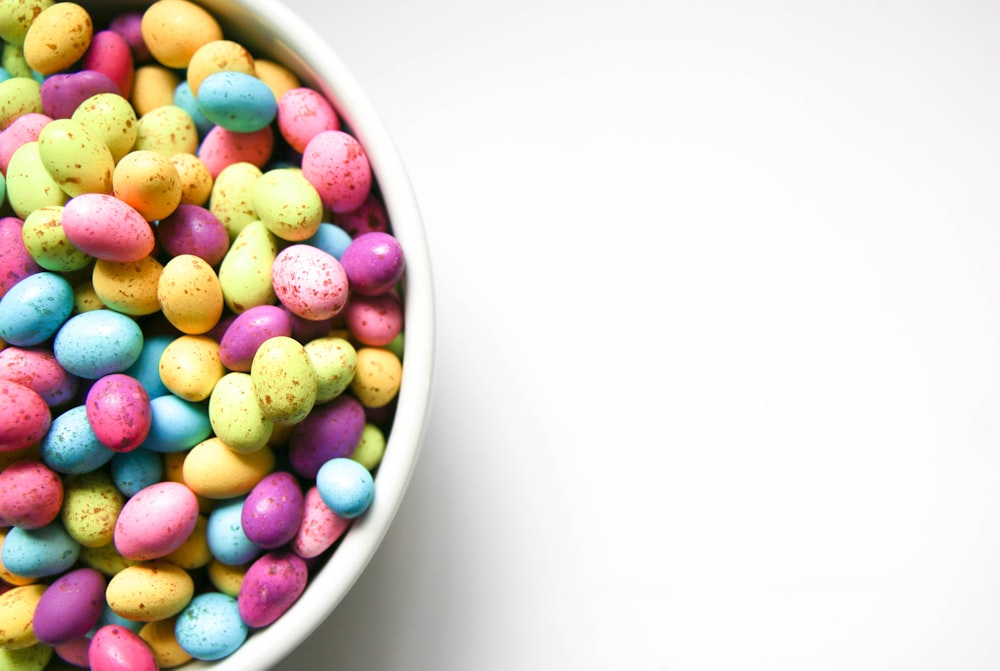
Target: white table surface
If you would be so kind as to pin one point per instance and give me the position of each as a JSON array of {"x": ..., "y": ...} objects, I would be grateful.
[{"x": 719, "y": 336}]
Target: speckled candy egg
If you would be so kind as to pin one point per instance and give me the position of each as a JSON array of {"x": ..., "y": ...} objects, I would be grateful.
[
  {"x": 136, "y": 470},
  {"x": 237, "y": 101},
  {"x": 236, "y": 416},
  {"x": 173, "y": 30},
  {"x": 309, "y": 282},
  {"x": 245, "y": 272},
  {"x": 320, "y": 527},
  {"x": 31, "y": 494},
  {"x": 374, "y": 320},
  {"x": 37, "y": 369},
  {"x": 374, "y": 263},
  {"x": 107, "y": 228},
  {"x": 17, "y": 606},
  {"x": 118, "y": 411},
  {"x": 190, "y": 294},
  {"x": 130, "y": 287},
  {"x": 335, "y": 163},
  {"x": 222, "y": 147},
  {"x": 39, "y": 553},
  {"x": 24, "y": 416},
  {"x": 46, "y": 241},
  {"x": 15, "y": 260},
  {"x": 273, "y": 510},
  {"x": 69, "y": 607},
  {"x": 63, "y": 93},
  {"x": 331, "y": 430},
  {"x": 32, "y": 658},
  {"x": 226, "y": 538},
  {"x": 248, "y": 331},
  {"x": 150, "y": 590},
  {"x": 156, "y": 521},
  {"x": 346, "y": 487},
  {"x": 271, "y": 585},
  {"x": 70, "y": 446},
  {"x": 76, "y": 158},
  {"x": 177, "y": 424},
  {"x": 304, "y": 113},
  {"x": 284, "y": 380},
  {"x": 193, "y": 229},
  {"x": 214, "y": 471},
  {"x": 211, "y": 628},
  {"x": 190, "y": 367},
  {"x": 90, "y": 508},
  {"x": 115, "y": 648},
  {"x": 110, "y": 54},
  {"x": 110, "y": 117},
  {"x": 149, "y": 182},
  {"x": 334, "y": 359},
  {"x": 34, "y": 309},
  {"x": 58, "y": 37},
  {"x": 97, "y": 343}
]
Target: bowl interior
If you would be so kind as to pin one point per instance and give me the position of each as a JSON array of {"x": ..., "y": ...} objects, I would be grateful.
[{"x": 270, "y": 30}]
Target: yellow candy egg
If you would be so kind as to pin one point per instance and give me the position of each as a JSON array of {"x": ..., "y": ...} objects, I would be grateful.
[
  {"x": 236, "y": 417},
  {"x": 190, "y": 294},
  {"x": 150, "y": 591},
  {"x": 58, "y": 37},
  {"x": 160, "y": 638},
  {"x": 190, "y": 367},
  {"x": 194, "y": 552},
  {"x": 225, "y": 578},
  {"x": 17, "y": 606},
  {"x": 149, "y": 182},
  {"x": 232, "y": 196},
  {"x": 196, "y": 180},
  {"x": 214, "y": 471},
  {"x": 277, "y": 77},
  {"x": 245, "y": 271},
  {"x": 284, "y": 380},
  {"x": 129, "y": 288},
  {"x": 111, "y": 118},
  {"x": 153, "y": 87},
  {"x": 105, "y": 559},
  {"x": 218, "y": 56},
  {"x": 76, "y": 157},
  {"x": 174, "y": 30},
  {"x": 85, "y": 298},
  {"x": 91, "y": 504},
  {"x": 377, "y": 378}
]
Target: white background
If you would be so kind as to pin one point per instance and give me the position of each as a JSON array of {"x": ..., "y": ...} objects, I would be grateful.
[{"x": 718, "y": 372}]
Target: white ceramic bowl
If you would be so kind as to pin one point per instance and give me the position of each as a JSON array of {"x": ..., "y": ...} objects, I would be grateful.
[{"x": 269, "y": 29}]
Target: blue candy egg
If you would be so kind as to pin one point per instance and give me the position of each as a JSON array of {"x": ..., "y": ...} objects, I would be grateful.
[
  {"x": 346, "y": 487},
  {"x": 185, "y": 99},
  {"x": 176, "y": 424},
  {"x": 71, "y": 446},
  {"x": 109, "y": 616},
  {"x": 37, "y": 553},
  {"x": 146, "y": 369},
  {"x": 135, "y": 470},
  {"x": 226, "y": 538},
  {"x": 237, "y": 101},
  {"x": 210, "y": 627},
  {"x": 34, "y": 309},
  {"x": 331, "y": 238},
  {"x": 97, "y": 343}
]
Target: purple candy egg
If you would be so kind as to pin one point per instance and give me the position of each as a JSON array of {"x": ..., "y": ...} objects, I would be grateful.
[
  {"x": 129, "y": 26},
  {"x": 63, "y": 93},
  {"x": 192, "y": 229},
  {"x": 373, "y": 263},
  {"x": 331, "y": 430},
  {"x": 251, "y": 328},
  {"x": 272, "y": 511},
  {"x": 271, "y": 585},
  {"x": 69, "y": 607}
]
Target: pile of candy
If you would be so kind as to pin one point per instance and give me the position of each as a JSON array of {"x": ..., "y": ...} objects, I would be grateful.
[{"x": 200, "y": 336}]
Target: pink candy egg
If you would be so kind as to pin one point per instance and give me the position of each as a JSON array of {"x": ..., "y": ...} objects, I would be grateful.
[
  {"x": 31, "y": 495},
  {"x": 156, "y": 521},
  {"x": 375, "y": 320},
  {"x": 24, "y": 129},
  {"x": 37, "y": 369},
  {"x": 118, "y": 411},
  {"x": 24, "y": 416},
  {"x": 115, "y": 648},
  {"x": 69, "y": 607},
  {"x": 221, "y": 147},
  {"x": 320, "y": 528},
  {"x": 369, "y": 216},
  {"x": 309, "y": 282},
  {"x": 111, "y": 54},
  {"x": 107, "y": 228},
  {"x": 304, "y": 113},
  {"x": 273, "y": 510},
  {"x": 336, "y": 165},
  {"x": 246, "y": 333},
  {"x": 15, "y": 261},
  {"x": 271, "y": 585}
]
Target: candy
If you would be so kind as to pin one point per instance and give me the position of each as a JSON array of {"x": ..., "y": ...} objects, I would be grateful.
[{"x": 194, "y": 358}]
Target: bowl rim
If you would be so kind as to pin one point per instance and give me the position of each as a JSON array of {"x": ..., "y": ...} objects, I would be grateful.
[{"x": 295, "y": 43}]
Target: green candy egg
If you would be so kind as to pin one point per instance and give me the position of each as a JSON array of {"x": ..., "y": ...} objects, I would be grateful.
[
  {"x": 77, "y": 158},
  {"x": 288, "y": 204},
  {"x": 46, "y": 241},
  {"x": 91, "y": 504},
  {"x": 19, "y": 96},
  {"x": 245, "y": 271},
  {"x": 371, "y": 447},
  {"x": 284, "y": 381},
  {"x": 334, "y": 360},
  {"x": 111, "y": 118},
  {"x": 32, "y": 658},
  {"x": 29, "y": 185},
  {"x": 235, "y": 415},
  {"x": 232, "y": 196}
]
